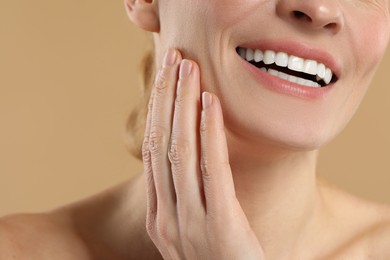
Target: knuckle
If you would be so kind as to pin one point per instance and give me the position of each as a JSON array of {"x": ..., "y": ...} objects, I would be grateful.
[
  {"x": 157, "y": 140},
  {"x": 145, "y": 150},
  {"x": 162, "y": 81},
  {"x": 180, "y": 93},
  {"x": 205, "y": 167},
  {"x": 179, "y": 100},
  {"x": 165, "y": 232},
  {"x": 184, "y": 93},
  {"x": 151, "y": 99},
  {"x": 208, "y": 167},
  {"x": 179, "y": 152},
  {"x": 203, "y": 126}
]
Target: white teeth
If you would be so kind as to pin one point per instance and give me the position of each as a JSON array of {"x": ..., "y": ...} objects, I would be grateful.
[
  {"x": 291, "y": 78},
  {"x": 310, "y": 67},
  {"x": 328, "y": 76},
  {"x": 281, "y": 59},
  {"x": 294, "y": 63},
  {"x": 249, "y": 54},
  {"x": 321, "y": 70},
  {"x": 258, "y": 55},
  {"x": 314, "y": 84},
  {"x": 269, "y": 57},
  {"x": 273, "y": 72},
  {"x": 302, "y": 81},
  {"x": 283, "y": 75},
  {"x": 308, "y": 83},
  {"x": 242, "y": 52}
]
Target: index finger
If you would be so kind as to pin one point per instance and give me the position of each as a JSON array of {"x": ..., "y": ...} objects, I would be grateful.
[{"x": 160, "y": 130}]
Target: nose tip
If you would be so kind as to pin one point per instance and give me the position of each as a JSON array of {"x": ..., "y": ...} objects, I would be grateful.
[{"x": 314, "y": 14}]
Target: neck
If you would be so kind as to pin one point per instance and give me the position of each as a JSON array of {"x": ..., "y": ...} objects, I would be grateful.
[{"x": 279, "y": 194}]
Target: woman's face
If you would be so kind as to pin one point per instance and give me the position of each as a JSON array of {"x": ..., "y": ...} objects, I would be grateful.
[{"x": 343, "y": 39}]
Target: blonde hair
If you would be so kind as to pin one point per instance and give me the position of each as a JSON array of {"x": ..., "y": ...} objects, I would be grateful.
[{"x": 135, "y": 125}]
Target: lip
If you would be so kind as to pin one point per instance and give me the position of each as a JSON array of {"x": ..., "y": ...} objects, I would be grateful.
[{"x": 286, "y": 87}]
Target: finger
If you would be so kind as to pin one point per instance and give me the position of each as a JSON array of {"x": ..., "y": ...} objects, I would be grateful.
[
  {"x": 184, "y": 147},
  {"x": 160, "y": 130},
  {"x": 151, "y": 197},
  {"x": 216, "y": 173}
]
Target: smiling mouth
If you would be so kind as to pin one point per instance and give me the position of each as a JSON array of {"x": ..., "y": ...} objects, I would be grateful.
[{"x": 306, "y": 72}]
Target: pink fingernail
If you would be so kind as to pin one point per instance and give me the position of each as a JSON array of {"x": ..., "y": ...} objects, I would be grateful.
[
  {"x": 185, "y": 68},
  {"x": 169, "y": 58},
  {"x": 207, "y": 100}
]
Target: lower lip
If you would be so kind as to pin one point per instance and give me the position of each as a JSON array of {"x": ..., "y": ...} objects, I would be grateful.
[{"x": 285, "y": 87}]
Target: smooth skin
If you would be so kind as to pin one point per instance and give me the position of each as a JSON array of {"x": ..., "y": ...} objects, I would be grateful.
[
  {"x": 184, "y": 222},
  {"x": 207, "y": 192}
]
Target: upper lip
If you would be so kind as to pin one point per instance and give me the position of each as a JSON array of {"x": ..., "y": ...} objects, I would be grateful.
[{"x": 297, "y": 49}]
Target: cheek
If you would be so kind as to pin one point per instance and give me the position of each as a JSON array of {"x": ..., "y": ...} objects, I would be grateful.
[
  {"x": 369, "y": 40},
  {"x": 182, "y": 23},
  {"x": 227, "y": 13},
  {"x": 361, "y": 45}
]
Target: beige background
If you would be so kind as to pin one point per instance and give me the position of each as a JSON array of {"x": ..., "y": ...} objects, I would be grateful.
[{"x": 68, "y": 80}]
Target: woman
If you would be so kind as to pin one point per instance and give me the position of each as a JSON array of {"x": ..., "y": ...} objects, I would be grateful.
[{"x": 288, "y": 75}]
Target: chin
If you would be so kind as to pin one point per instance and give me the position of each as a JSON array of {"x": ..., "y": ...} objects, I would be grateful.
[
  {"x": 302, "y": 143},
  {"x": 286, "y": 139}
]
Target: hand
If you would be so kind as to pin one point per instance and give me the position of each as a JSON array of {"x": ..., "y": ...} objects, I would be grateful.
[{"x": 192, "y": 209}]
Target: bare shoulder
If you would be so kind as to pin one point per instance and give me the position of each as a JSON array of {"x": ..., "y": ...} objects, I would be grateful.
[
  {"x": 379, "y": 238},
  {"x": 39, "y": 236},
  {"x": 373, "y": 242},
  {"x": 91, "y": 228},
  {"x": 361, "y": 226}
]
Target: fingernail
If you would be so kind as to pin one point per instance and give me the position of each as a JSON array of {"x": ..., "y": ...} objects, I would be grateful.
[
  {"x": 207, "y": 100},
  {"x": 185, "y": 68},
  {"x": 169, "y": 58}
]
